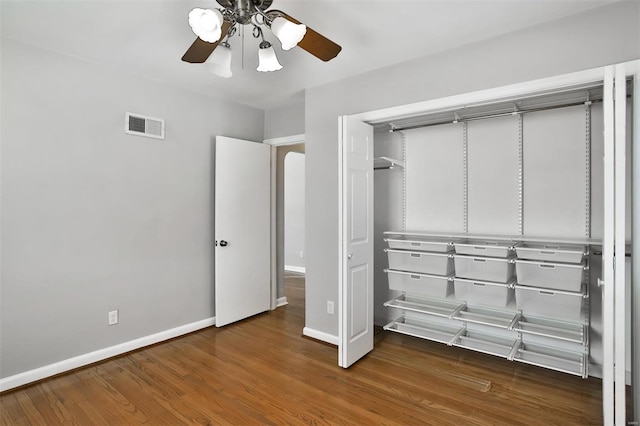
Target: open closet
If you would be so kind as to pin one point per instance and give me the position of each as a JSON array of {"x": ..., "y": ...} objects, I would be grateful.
[
  {"x": 496, "y": 243},
  {"x": 491, "y": 218}
]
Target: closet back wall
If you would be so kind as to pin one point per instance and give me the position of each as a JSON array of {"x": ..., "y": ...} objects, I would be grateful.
[
  {"x": 522, "y": 175},
  {"x": 493, "y": 203},
  {"x": 94, "y": 219}
]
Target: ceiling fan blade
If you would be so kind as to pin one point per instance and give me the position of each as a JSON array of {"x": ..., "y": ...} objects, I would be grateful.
[
  {"x": 314, "y": 42},
  {"x": 200, "y": 50}
]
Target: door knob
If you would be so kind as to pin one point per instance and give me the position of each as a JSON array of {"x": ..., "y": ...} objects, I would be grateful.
[
  {"x": 350, "y": 256},
  {"x": 223, "y": 243}
]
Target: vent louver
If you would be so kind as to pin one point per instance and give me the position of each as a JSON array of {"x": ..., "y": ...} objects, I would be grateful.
[{"x": 136, "y": 124}]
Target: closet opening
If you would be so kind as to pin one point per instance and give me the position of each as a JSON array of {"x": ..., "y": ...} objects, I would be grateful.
[
  {"x": 490, "y": 236},
  {"x": 495, "y": 219}
]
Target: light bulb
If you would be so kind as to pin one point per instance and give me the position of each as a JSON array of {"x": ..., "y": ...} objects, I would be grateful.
[
  {"x": 219, "y": 62},
  {"x": 206, "y": 24},
  {"x": 288, "y": 33},
  {"x": 267, "y": 60}
]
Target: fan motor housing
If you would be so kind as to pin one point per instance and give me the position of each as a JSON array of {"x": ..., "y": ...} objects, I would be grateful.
[{"x": 258, "y": 4}]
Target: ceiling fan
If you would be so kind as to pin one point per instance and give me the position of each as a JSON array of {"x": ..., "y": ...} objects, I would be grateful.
[{"x": 214, "y": 27}]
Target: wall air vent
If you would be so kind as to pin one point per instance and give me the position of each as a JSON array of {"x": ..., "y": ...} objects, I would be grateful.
[{"x": 136, "y": 124}]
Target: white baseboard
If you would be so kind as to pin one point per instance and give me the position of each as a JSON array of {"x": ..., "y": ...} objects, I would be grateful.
[
  {"x": 281, "y": 301},
  {"x": 300, "y": 269},
  {"x": 319, "y": 335},
  {"x": 40, "y": 373}
]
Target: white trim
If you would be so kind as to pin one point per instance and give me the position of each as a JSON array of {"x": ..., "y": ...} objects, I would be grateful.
[
  {"x": 342, "y": 267},
  {"x": 322, "y": 336},
  {"x": 291, "y": 268},
  {"x": 274, "y": 229},
  {"x": 63, "y": 366},
  {"x": 282, "y": 301},
  {"x": 285, "y": 140},
  {"x": 556, "y": 83},
  {"x": 635, "y": 240}
]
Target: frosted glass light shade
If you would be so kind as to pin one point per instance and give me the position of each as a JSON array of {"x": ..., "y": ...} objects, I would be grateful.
[
  {"x": 219, "y": 62},
  {"x": 206, "y": 24},
  {"x": 267, "y": 60},
  {"x": 288, "y": 33}
]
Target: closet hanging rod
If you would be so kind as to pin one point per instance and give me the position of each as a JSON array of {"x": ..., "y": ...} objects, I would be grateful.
[{"x": 396, "y": 128}]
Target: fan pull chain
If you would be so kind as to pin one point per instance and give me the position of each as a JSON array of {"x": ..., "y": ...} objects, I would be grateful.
[{"x": 242, "y": 47}]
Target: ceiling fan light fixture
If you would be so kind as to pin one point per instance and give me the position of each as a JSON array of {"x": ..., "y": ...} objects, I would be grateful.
[
  {"x": 206, "y": 24},
  {"x": 215, "y": 27},
  {"x": 288, "y": 33},
  {"x": 219, "y": 62},
  {"x": 267, "y": 60}
]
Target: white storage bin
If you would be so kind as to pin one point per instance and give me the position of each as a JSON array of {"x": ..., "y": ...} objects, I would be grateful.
[
  {"x": 556, "y": 276},
  {"x": 420, "y": 261},
  {"x": 551, "y": 252},
  {"x": 564, "y": 305},
  {"x": 420, "y": 284},
  {"x": 484, "y": 248},
  {"x": 431, "y": 244},
  {"x": 483, "y": 292},
  {"x": 484, "y": 268}
]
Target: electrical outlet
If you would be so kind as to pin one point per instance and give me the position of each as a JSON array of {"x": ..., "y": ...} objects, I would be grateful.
[
  {"x": 113, "y": 317},
  {"x": 330, "y": 307},
  {"x": 301, "y": 254}
]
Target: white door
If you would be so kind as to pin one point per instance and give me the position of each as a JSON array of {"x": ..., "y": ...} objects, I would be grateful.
[
  {"x": 620, "y": 96},
  {"x": 242, "y": 229},
  {"x": 356, "y": 242},
  {"x": 614, "y": 248},
  {"x": 607, "y": 252}
]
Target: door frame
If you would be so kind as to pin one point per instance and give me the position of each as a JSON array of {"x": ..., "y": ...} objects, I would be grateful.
[
  {"x": 550, "y": 84},
  {"x": 275, "y": 143},
  {"x": 635, "y": 244}
]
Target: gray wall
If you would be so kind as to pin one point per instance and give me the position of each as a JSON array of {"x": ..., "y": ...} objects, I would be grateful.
[
  {"x": 598, "y": 37},
  {"x": 93, "y": 219},
  {"x": 284, "y": 121},
  {"x": 294, "y": 210}
]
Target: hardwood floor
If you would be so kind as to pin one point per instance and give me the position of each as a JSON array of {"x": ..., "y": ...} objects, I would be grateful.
[{"x": 262, "y": 371}]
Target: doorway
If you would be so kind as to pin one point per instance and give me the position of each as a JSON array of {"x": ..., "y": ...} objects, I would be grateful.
[
  {"x": 294, "y": 223},
  {"x": 294, "y": 231},
  {"x": 290, "y": 230}
]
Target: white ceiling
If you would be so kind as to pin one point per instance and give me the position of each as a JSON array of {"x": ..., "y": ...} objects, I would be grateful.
[{"x": 149, "y": 37}]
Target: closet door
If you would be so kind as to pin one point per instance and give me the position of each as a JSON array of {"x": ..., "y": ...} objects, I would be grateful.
[
  {"x": 614, "y": 248},
  {"x": 356, "y": 236},
  {"x": 620, "y": 108}
]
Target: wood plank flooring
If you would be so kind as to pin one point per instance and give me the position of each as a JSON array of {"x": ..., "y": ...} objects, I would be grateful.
[{"x": 262, "y": 371}]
